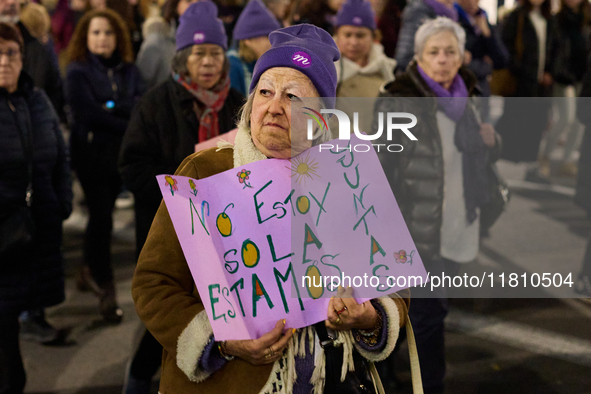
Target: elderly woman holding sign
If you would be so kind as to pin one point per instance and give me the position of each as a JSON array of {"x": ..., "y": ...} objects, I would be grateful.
[
  {"x": 169, "y": 303},
  {"x": 440, "y": 180}
]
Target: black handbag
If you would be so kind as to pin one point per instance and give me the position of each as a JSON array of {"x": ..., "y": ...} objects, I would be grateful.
[
  {"x": 358, "y": 381},
  {"x": 17, "y": 227},
  {"x": 499, "y": 198}
]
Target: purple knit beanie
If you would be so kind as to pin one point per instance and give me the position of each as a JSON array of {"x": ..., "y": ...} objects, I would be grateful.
[
  {"x": 255, "y": 21},
  {"x": 200, "y": 25},
  {"x": 356, "y": 13},
  {"x": 308, "y": 49}
]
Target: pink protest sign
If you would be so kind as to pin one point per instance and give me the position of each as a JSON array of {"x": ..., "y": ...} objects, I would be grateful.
[
  {"x": 263, "y": 240},
  {"x": 213, "y": 142}
]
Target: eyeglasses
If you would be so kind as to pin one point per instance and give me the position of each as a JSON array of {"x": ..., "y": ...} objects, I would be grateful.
[
  {"x": 12, "y": 54},
  {"x": 217, "y": 56}
]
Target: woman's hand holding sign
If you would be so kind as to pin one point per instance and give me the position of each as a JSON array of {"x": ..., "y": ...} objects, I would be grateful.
[
  {"x": 265, "y": 350},
  {"x": 344, "y": 313}
]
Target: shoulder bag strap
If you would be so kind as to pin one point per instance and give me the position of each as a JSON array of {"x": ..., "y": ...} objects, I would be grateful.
[{"x": 415, "y": 366}]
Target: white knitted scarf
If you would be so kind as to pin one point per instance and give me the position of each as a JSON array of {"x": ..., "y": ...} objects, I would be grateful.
[{"x": 283, "y": 375}]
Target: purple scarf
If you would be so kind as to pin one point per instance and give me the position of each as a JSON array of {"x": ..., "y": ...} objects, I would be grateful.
[
  {"x": 443, "y": 10},
  {"x": 453, "y": 101}
]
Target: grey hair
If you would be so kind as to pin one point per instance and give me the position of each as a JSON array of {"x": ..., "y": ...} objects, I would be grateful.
[
  {"x": 179, "y": 62},
  {"x": 246, "y": 111},
  {"x": 435, "y": 26}
]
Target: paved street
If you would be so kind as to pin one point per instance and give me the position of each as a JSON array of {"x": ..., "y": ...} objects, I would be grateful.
[{"x": 506, "y": 345}]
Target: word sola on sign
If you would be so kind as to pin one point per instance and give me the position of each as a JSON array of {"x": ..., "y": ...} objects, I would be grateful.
[{"x": 254, "y": 234}]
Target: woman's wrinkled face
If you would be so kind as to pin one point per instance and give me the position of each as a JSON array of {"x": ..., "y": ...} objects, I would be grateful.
[
  {"x": 11, "y": 64},
  {"x": 271, "y": 118},
  {"x": 101, "y": 40},
  {"x": 441, "y": 58},
  {"x": 205, "y": 64},
  {"x": 355, "y": 43}
]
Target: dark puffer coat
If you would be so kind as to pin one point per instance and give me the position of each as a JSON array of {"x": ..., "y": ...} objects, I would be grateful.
[
  {"x": 416, "y": 174},
  {"x": 163, "y": 131},
  {"x": 97, "y": 131},
  {"x": 525, "y": 68},
  {"x": 36, "y": 280}
]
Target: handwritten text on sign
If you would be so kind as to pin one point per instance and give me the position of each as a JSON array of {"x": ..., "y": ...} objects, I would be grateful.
[{"x": 262, "y": 240}]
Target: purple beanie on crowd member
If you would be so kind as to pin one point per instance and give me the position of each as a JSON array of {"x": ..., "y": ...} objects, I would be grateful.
[
  {"x": 357, "y": 13},
  {"x": 308, "y": 49},
  {"x": 200, "y": 25},
  {"x": 255, "y": 21}
]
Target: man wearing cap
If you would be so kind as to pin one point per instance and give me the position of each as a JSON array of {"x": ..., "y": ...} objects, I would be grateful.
[
  {"x": 300, "y": 63},
  {"x": 252, "y": 32},
  {"x": 363, "y": 67}
]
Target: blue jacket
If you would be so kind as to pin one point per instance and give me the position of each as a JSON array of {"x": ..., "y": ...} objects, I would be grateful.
[{"x": 36, "y": 280}]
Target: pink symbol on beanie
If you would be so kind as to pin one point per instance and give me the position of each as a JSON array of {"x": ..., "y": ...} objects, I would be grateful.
[
  {"x": 198, "y": 37},
  {"x": 301, "y": 59},
  {"x": 357, "y": 20}
]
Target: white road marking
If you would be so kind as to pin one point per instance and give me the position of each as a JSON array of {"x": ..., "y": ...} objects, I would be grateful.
[{"x": 521, "y": 336}]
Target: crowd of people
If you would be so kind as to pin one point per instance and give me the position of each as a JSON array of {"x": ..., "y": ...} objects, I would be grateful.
[{"x": 115, "y": 92}]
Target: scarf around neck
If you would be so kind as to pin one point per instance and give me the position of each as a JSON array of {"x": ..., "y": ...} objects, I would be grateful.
[
  {"x": 467, "y": 138},
  {"x": 451, "y": 101},
  {"x": 213, "y": 99},
  {"x": 442, "y": 10}
]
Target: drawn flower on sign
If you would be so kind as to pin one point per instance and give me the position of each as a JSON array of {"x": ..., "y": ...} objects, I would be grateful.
[
  {"x": 303, "y": 168},
  {"x": 400, "y": 256},
  {"x": 243, "y": 178},
  {"x": 171, "y": 182},
  {"x": 193, "y": 187}
]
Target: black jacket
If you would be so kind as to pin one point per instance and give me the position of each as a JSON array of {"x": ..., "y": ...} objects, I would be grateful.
[
  {"x": 570, "y": 61},
  {"x": 525, "y": 68},
  {"x": 416, "y": 174},
  {"x": 480, "y": 46},
  {"x": 97, "y": 130},
  {"x": 37, "y": 63},
  {"x": 36, "y": 280},
  {"x": 162, "y": 132}
]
